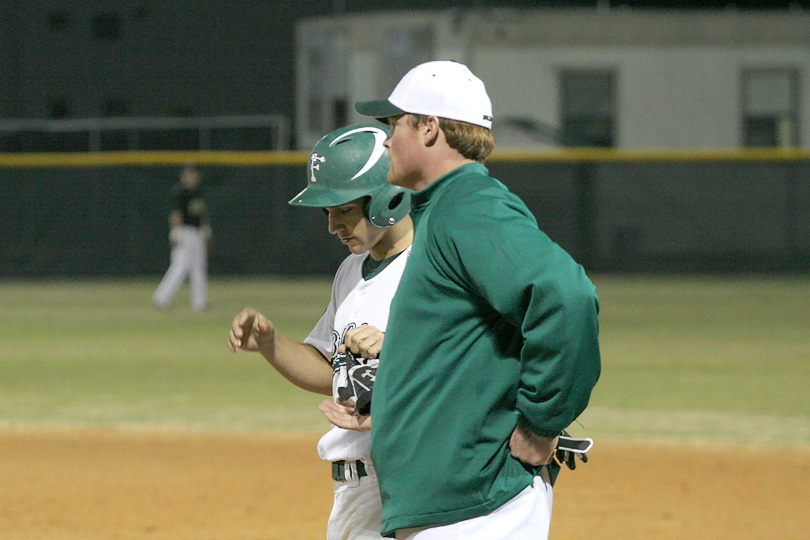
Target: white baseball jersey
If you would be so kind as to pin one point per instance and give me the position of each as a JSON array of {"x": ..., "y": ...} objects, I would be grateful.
[{"x": 355, "y": 302}]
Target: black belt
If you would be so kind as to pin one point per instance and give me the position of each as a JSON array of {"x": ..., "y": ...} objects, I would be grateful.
[{"x": 339, "y": 470}]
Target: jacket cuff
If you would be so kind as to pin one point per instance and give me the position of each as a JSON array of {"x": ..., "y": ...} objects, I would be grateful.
[{"x": 542, "y": 432}]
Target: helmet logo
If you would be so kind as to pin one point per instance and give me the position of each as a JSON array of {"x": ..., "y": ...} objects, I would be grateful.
[
  {"x": 315, "y": 165},
  {"x": 376, "y": 154}
]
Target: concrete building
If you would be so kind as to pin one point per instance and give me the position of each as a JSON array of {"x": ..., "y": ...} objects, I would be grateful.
[{"x": 630, "y": 79}]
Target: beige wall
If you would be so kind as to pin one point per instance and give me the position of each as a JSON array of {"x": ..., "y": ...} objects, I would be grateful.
[{"x": 678, "y": 72}]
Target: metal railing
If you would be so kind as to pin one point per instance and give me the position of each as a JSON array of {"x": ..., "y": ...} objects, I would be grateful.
[{"x": 237, "y": 133}]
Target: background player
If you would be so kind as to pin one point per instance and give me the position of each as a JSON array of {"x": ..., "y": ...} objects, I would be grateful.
[
  {"x": 189, "y": 235},
  {"x": 347, "y": 177}
]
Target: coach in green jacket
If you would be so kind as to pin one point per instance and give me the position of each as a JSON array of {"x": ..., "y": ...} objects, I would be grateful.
[{"x": 492, "y": 349}]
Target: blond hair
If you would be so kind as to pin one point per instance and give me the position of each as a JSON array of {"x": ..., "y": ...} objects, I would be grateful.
[{"x": 470, "y": 140}]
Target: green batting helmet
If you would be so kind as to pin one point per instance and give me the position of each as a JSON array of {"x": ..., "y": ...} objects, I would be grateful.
[{"x": 348, "y": 164}]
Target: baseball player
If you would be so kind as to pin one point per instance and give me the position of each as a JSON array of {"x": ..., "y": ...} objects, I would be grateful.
[
  {"x": 189, "y": 235},
  {"x": 493, "y": 348},
  {"x": 347, "y": 178}
]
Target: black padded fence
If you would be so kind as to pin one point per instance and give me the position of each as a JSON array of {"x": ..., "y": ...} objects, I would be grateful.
[{"x": 673, "y": 214}]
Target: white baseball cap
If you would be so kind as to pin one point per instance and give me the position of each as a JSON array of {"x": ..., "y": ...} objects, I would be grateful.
[{"x": 440, "y": 88}]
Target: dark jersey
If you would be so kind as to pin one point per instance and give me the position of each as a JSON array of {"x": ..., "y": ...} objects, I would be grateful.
[{"x": 190, "y": 204}]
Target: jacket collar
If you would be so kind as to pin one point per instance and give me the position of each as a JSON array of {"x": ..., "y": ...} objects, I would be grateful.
[{"x": 420, "y": 199}]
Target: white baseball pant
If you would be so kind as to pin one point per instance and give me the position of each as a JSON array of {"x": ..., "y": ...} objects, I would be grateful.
[
  {"x": 189, "y": 258},
  {"x": 527, "y": 516},
  {"x": 357, "y": 511}
]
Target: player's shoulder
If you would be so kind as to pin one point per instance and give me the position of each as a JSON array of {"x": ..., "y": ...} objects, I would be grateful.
[
  {"x": 352, "y": 264},
  {"x": 350, "y": 270},
  {"x": 348, "y": 275}
]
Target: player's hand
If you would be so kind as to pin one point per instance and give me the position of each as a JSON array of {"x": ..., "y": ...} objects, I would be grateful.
[
  {"x": 364, "y": 341},
  {"x": 344, "y": 414},
  {"x": 530, "y": 448},
  {"x": 251, "y": 331}
]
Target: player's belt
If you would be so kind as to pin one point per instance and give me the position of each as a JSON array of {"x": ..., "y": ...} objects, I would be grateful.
[{"x": 342, "y": 470}]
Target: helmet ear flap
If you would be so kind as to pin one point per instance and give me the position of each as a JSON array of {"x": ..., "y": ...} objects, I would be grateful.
[{"x": 388, "y": 206}]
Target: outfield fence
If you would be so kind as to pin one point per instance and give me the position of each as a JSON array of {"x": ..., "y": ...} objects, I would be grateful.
[{"x": 105, "y": 213}]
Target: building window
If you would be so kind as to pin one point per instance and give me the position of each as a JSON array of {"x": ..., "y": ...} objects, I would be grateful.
[
  {"x": 325, "y": 80},
  {"x": 316, "y": 67},
  {"x": 405, "y": 47},
  {"x": 770, "y": 107},
  {"x": 106, "y": 26},
  {"x": 588, "y": 107}
]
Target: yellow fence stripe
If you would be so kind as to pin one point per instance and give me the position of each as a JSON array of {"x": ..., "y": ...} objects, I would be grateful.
[
  {"x": 607, "y": 154},
  {"x": 106, "y": 159},
  {"x": 572, "y": 155}
]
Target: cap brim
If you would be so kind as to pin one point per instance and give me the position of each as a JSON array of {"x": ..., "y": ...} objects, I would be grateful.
[{"x": 379, "y": 109}]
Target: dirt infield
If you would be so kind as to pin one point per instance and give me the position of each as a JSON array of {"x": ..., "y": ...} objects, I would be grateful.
[{"x": 85, "y": 484}]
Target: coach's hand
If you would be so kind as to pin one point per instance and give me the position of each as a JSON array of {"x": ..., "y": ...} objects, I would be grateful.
[
  {"x": 530, "y": 448},
  {"x": 251, "y": 331}
]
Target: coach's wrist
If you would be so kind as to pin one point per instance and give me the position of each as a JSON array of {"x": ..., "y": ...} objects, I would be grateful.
[{"x": 524, "y": 424}]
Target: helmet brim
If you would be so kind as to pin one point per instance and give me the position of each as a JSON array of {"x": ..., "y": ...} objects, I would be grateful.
[{"x": 322, "y": 197}]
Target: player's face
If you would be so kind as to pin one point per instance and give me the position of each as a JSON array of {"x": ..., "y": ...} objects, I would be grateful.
[
  {"x": 403, "y": 145},
  {"x": 190, "y": 177},
  {"x": 350, "y": 225}
]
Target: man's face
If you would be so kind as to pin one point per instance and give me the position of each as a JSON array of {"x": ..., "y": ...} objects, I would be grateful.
[
  {"x": 190, "y": 177},
  {"x": 404, "y": 147},
  {"x": 350, "y": 225}
]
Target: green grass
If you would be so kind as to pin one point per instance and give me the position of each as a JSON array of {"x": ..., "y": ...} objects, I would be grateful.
[
  {"x": 97, "y": 352},
  {"x": 703, "y": 358}
]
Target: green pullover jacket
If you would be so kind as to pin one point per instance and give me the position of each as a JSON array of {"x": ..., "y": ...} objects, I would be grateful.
[{"x": 492, "y": 322}]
